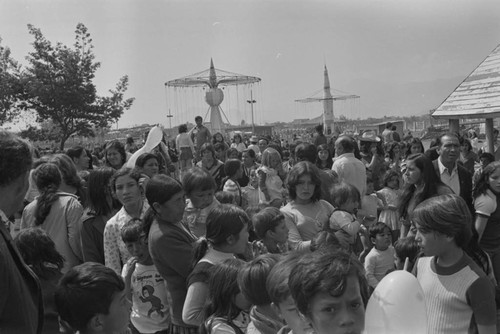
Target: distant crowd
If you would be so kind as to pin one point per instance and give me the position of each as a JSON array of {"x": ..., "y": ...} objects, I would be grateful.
[{"x": 248, "y": 234}]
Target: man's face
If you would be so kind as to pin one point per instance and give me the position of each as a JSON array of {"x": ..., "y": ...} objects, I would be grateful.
[
  {"x": 449, "y": 151},
  {"x": 199, "y": 121}
]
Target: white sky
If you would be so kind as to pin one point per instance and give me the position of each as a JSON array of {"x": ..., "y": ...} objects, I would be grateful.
[{"x": 401, "y": 56}]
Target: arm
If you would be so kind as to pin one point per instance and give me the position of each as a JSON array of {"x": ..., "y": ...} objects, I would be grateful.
[
  {"x": 128, "y": 270},
  {"x": 370, "y": 263},
  {"x": 111, "y": 251},
  {"x": 262, "y": 184},
  {"x": 192, "y": 313},
  {"x": 294, "y": 237},
  {"x": 74, "y": 212},
  {"x": 480, "y": 225}
]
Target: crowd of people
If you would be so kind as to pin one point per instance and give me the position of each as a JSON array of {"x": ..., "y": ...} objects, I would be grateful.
[{"x": 247, "y": 235}]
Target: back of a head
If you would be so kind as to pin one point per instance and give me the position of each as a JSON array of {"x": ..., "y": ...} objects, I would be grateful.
[
  {"x": 252, "y": 277},
  {"x": 306, "y": 152},
  {"x": 99, "y": 190},
  {"x": 197, "y": 179},
  {"x": 84, "y": 291},
  {"x": 277, "y": 280},
  {"x": 161, "y": 188},
  {"x": 15, "y": 158},
  {"x": 223, "y": 221},
  {"x": 347, "y": 144}
]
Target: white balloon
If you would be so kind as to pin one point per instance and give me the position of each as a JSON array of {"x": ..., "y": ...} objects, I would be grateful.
[
  {"x": 155, "y": 136},
  {"x": 396, "y": 306}
]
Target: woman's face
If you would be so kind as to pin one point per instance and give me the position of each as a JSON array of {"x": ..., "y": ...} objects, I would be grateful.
[
  {"x": 416, "y": 148},
  {"x": 274, "y": 161},
  {"x": 304, "y": 189},
  {"x": 207, "y": 156},
  {"x": 413, "y": 174},
  {"x": 218, "y": 137},
  {"x": 247, "y": 160},
  {"x": 237, "y": 140},
  {"x": 464, "y": 148},
  {"x": 114, "y": 158},
  {"x": 151, "y": 167},
  {"x": 127, "y": 190},
  {"x": 82, "y": 162},
  {"x": 323, "y": 155},
  {"x": 494, "y": 181}
]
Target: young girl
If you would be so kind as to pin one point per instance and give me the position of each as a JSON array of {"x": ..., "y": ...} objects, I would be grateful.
[
  {"x": 250, "y": 192},
  {"x": 238, "y": 143},
  {"x": 200, "y": 188},
  {"x": 343, "y": 221},
  {"x": 390, "y": 195},
  {"x": 232, "y": 168},
  {"x": 227, "y": 235},
  {"x": 270, "y": 182},
  {"x": 170, "y": 243},
  {"x": 324, "y": 158},
  {"x": 227, "y": 309}
]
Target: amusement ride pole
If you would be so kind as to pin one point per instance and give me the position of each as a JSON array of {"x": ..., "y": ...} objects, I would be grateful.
[
  {"x": 252, "y": 101},
  {"x": 169, "y": 116}
]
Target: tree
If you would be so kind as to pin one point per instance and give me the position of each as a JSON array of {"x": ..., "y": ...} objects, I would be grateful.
[
  {"x": 11, "y": 88},
  {"x": 60, "y": 88}
]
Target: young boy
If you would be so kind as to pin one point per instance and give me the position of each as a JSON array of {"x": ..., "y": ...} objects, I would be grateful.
[
  {"x": 270, "y": 227},
  {"x": 459, "y": 296},
  {"x": 281, "y": 298},
  {"x": 148, "y": 289},
  {"x": 406, "y": 248},
  {"x": 380, "y": 260},
  {"x": 91, "y": 298},
  {"x": 330, "y": 291}
]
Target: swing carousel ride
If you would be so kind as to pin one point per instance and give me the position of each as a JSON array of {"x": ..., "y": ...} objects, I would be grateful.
[{"x": 183, "y": 95}]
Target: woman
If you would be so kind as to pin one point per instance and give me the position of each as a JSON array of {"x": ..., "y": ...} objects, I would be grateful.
[
  {"x": 249, "y": 162},
  {"x": 80, "y": 157},
  {"x": 414, "y": 146},
  {"x": 421, "y": 183},
  {"x": 148, "y": 164},
  {"x": 101, "y": 206},
  {"x": 238, "y": 143},
  {"x": 125, "y": 186},
  {"x": 487, "y": 221},
  {"x": 115, "y": 155},
  {"x": 467, "y": 156},
  {"x": 185, "y": 145},
  {"x": 372, "y": 155},
  {"x": 219, "y": 138},
  {"x": 170, "y": 243},
  {"x": 71, "y": 182},
  {"x": 57, "y": 212},
  {"x": 306, "y": 214},
  {"x": 210, "y": 163},
  {"x": 393, "y": 156}
]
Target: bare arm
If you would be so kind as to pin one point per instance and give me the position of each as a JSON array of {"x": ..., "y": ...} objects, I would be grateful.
[{"x": 480, "y": 225}]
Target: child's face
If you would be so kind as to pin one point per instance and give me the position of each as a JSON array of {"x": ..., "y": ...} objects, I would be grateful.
[
  {"x": 280, "y": 233},
  {"x": 341, "y": 314},
  {"x": 247, "y": 159},
  {"x": 288, "y": 311},
  {"x": 323, "y": 155},
  {"x": 393, "y": 182},
  {"x": 173, "y": 209},
  {"x": 430, "y": 242},
  {"x": 151, "y": 167},
  {"x": 127, "y": 190},
  {"x": 494, "y": 181},
  {"x": 139, "y": 249},
  {"x": 305, "y": 188},
  {"x": 383, "y": 240},
  {"x": 350, "y": 206},
  {"x": 201, "y": 198},
  {"x": 254, "y": 180},
  {"x": 117, "y": 319}
]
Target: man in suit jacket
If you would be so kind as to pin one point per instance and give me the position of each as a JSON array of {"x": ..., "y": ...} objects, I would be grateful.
[
  {"x": 21, "y": 307},
  {"x": 450, "y": 172}
]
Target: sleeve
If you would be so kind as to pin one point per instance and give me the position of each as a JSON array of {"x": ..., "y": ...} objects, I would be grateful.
[
  {"x": 177, "y": 142},
  {"x": 481, "y": 298},
  {"x": 294, "y": 238},
  {"x": 222, "y": 328},
  {"x": 370, "y": 264},
  {"x": 192, "y": 313},
  {"x": 485, "y": 205},
  {"x": 90, "y": 251},
  {"x": 74, "y": 212},
  {"x": 111, "y": 251}
]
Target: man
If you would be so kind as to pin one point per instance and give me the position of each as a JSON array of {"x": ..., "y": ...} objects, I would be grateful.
[
  {"x": 450, "y": 172},
  {"x": 319, "y": 138},
  {"x": 387, "y": 134},
  {"x": 348, "y": 168},
  {"x": 254, "y": 145},
  {"x": 307, "y": 152},
  {"x": 263, "y": 143},
  {"x": 21, "y": 307},
  {"x": 200, "y": 135}
]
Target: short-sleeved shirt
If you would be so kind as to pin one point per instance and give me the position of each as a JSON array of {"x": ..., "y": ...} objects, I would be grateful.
[{"x": 487, "y": 205}]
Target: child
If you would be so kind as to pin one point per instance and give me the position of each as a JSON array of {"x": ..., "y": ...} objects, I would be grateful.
[
  {"x": 370, "y": 204},
  {"x": 324, "y": 158},
  {"x": 225, "y": 197},
  {"x": 233, "y": 170},
  {"x": 226, "y": 310},
  {"x": 39, "y": 253},
  {"x": 251, "y": 280},
  {"x": 406, "y": 248},
  {"x": 330, "y": 291},
  {"x": 281, "y": 297},
  {"x": 199, "y": 187},
  {"x": 390, "y": 195},
  {"x": 270, "y": 182},
  {"x": 250, "y": 193},
  {"x": 380, "y": 260},
  {"x": 459, "y": 296},
  {"x": 91, "y": 298},
  {"x": 143, "y": 282},
  {"x": 270, "y": 227},
  {"x": 343, "y": 221}
]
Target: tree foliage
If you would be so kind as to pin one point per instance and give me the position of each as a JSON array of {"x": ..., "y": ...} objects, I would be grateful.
[
  {"x": 11, "y": 88},
  {"x": 59, "y": 82}
]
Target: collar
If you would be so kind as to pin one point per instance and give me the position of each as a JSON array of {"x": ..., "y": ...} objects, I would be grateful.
[
  {"x": 346, "y": 155},
  {"x": 214, "y": 256},
  {"x": 443, "y": 169}
]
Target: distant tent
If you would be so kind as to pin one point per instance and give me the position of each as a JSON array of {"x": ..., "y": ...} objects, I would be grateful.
[{"x": 478, "y": 96}]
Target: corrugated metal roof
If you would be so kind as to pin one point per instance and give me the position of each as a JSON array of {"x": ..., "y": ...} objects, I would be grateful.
[{"x": 478, "y": 96}]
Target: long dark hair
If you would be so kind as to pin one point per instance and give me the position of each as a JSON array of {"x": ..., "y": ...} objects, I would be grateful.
[
  {"x": 223, "y": 288},
  {"x": 99, "y": 188},
  {"x": 483, "y": 184},
  {"x": 430, "y": 181},
  {"x": 48, "y": 180}
]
